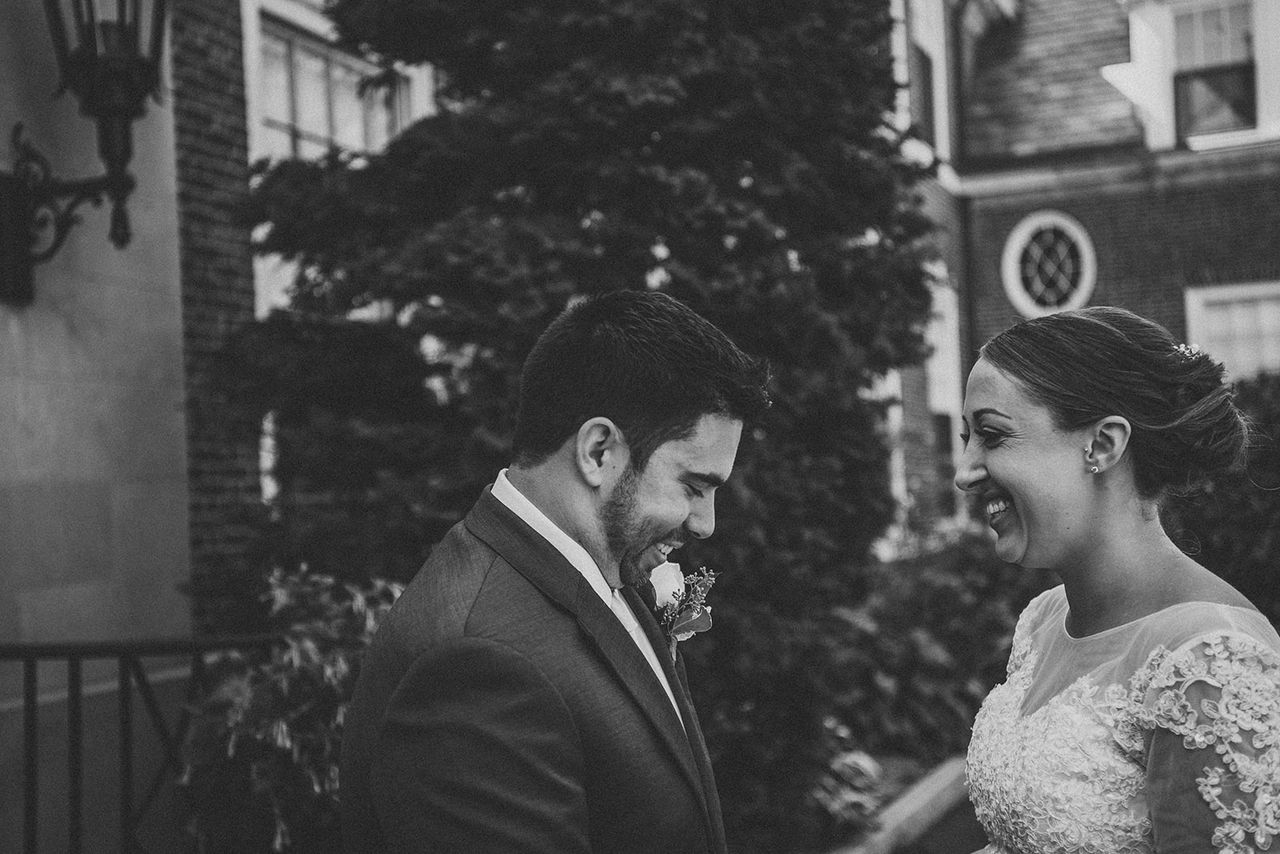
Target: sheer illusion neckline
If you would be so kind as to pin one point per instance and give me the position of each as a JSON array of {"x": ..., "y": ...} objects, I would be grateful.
[{"x": 1105, "y": 633}]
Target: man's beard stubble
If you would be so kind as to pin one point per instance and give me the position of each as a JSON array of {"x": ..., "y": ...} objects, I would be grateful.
[{"x": 620, "y": 528}]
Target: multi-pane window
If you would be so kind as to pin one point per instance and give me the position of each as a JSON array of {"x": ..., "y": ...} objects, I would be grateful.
[
  {"x": 1215, "y": 83},
  {"x": 311, "y": 98},
  {"x": 1238, "y": 325}
]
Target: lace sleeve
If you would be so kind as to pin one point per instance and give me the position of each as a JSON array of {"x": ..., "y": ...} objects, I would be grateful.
[{"x": 1212, "y": 710}]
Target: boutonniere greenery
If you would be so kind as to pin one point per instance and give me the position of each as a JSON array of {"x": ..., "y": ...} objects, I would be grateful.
[{"x": 680, "y": 602}]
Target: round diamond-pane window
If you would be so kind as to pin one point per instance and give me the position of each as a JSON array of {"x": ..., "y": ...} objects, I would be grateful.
[{"x": 1048, "y": 264}]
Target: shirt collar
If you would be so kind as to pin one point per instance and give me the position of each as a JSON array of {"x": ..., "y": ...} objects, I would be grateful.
[{"x": 505, "y": 491}]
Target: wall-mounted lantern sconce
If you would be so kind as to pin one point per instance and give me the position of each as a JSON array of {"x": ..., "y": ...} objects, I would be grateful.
[{"x": 109, "y": 57}]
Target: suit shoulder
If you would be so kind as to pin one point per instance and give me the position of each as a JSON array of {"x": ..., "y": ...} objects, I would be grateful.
[{"x": 436, "y": 602}]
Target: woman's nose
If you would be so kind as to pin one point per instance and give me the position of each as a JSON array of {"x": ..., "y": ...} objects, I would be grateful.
[{"x": 969, "y": 471}]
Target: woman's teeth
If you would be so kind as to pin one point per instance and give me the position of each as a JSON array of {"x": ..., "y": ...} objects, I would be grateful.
[
  {"x": 997, "y": 506},
  {"x": 664, "y": 549}
]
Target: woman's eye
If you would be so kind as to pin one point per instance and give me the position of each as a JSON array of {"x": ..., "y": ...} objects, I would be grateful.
[{"x": 990, "y": 438}]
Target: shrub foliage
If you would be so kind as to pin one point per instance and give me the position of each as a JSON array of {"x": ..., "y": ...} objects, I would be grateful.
[{"x": 261, "y": 756}]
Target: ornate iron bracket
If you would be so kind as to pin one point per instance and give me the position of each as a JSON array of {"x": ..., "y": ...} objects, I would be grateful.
[
  {"x": 56, "y": 201},
  {"x": 37, "y": 212}
]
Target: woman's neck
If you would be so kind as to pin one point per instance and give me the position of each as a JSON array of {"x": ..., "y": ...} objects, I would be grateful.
[{"x": 1130, "y": 569}]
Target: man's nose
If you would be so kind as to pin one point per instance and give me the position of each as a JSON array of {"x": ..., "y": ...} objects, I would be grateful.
[{"x": 702, "y": 518}]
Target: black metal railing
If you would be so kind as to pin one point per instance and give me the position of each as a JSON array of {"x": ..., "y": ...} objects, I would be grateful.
[{"x": 131, "y": 678}]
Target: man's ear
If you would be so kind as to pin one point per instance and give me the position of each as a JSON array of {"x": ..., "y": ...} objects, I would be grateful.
[
  {"x": 600, "y": 451},
  {"x": 1107, "y": 442}
]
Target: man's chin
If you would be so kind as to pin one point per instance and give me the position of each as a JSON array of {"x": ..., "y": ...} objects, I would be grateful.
[{"x": 635, "y": 570}]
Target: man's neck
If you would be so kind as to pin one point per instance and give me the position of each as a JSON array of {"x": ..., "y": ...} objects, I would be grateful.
[{"x": 558, "y": 497}]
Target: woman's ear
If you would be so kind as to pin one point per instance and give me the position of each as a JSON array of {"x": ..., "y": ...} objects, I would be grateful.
[
  {"x": 600, "y": 451},
  {"x": 1107, "y": 442}
]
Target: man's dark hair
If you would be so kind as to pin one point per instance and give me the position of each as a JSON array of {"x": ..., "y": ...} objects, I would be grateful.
[{"x": 644, "y": 360}]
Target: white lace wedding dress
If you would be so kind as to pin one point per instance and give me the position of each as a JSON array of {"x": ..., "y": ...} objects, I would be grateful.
[{"x": 1160, "y": 735}]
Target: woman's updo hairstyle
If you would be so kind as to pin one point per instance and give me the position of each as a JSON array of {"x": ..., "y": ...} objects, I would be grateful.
[{"x": 1085, "y": 365}]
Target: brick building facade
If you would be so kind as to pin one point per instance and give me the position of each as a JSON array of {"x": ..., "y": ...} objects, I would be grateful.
[
  {"x": 126, "y": 481},
  {"x": 1120, "y": 152},
  {"x": 121, "y": 475},
  {"x": 122, "y": 480},
  {"x": 217, "y": 276}
]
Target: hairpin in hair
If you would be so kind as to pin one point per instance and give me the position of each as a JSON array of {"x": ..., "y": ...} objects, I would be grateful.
[{"x": 1188, "y": 351}]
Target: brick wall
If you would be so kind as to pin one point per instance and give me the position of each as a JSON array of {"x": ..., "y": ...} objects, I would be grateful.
[
  {"x": 217, "y": 277},
  {"x": 1153, "y": 240},
  {"x": 926, "y": 456},
  {"x": 1034, "y": 87},
  {"x": 926, "y": 460}
]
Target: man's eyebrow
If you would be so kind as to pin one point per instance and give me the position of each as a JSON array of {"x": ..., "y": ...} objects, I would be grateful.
[
  {"x": 988, "y": 411},
  {"x": 705, "y": 478}
]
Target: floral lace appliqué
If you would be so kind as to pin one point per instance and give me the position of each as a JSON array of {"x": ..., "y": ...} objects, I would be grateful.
[
  {"x": 1070, "y": 777},
  {"x": 1223, "y": 693}
]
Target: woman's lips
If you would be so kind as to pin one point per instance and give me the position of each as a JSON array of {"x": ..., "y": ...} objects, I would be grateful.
[{"x": 996, "y": 509}]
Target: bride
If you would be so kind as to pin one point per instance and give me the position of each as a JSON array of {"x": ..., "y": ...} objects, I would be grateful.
[{"x": 1141, "y": 711}]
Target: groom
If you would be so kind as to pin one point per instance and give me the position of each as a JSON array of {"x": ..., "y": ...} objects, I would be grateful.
[{"x": 520, "y": 696}]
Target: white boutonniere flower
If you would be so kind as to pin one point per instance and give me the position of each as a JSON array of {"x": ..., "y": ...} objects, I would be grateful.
[{"x": 681, "y": 602}]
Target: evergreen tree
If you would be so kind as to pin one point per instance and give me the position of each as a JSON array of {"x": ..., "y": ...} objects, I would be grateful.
[{"x": 737, "y": 155}]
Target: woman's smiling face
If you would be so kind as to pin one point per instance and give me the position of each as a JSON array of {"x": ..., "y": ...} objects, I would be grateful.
[{"x": 1031, "y": 477}]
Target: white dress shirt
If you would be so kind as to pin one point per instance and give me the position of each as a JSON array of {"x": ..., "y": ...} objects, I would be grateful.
[{"x": 504, "y": 491}]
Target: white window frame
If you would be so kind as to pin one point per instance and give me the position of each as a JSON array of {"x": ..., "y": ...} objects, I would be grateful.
[
  {"x": 307, "y": 17},
  {"x": 943, "y": 368},
  {"x": 1197, "y": 300},
  {"x": 1011, "y": 262},
  {"x": 923, "y": 24},
  {"x": 273, "y": 275},
  {"x": 297, "y": 45},
  {"x": 1147, "y": 79}
]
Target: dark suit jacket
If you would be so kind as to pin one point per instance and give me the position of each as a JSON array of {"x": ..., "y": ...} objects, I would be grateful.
[{"x": 503, "y": 707}]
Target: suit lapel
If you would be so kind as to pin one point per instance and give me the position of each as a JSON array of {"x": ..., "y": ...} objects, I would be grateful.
[
  {"x": 548, "y": 570},
  {"x": 703, "y": 759},
  {"x": 679, "y": 682}
]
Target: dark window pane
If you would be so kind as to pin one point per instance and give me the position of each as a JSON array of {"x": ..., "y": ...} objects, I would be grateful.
[{"x": 1211, "y": 100}]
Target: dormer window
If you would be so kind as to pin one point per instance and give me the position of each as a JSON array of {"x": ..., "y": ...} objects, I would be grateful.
[
  {"x": 1214, "y": 84},
  {"x": 1200, "y": 74}
]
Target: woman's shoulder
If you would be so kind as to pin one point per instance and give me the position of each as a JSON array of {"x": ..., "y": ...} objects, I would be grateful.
[
  {"x": 1186, "y": 624},
  {"x": 1049, "y": 605},
  {"x": 1185, "y": 642},
  {"x": 1046, "y": 609}
]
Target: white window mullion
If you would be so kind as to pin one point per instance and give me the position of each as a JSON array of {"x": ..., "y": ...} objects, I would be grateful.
[
  {"x": 1237, "y": 324},
  {"x": 292, "y": 64},
  {"x": 330, "y": 124},
  {"x": 1266, "y": 36}
]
